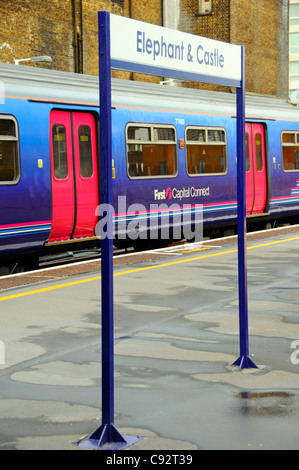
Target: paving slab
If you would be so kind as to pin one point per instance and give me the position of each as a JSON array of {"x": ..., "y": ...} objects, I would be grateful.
[{"x": 176, "y": 337}]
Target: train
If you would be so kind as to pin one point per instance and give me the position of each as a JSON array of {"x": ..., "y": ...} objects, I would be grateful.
[{"x": 172, "y": 147}]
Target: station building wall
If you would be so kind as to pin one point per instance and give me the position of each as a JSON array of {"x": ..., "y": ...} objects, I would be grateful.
[{"x": 67, "y": 31}]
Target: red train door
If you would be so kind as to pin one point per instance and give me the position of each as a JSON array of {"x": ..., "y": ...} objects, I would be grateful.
[
  {"x": 256, "y": 177},
  {"x": 74, "y": 172}
]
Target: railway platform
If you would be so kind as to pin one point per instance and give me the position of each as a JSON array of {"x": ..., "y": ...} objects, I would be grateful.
[{"x": 176, "y": 337}]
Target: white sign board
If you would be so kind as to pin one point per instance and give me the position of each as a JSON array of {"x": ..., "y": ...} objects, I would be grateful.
[{"x": 146, "y": 48}]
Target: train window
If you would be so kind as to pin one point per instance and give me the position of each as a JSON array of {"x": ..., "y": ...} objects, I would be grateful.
[
  {"x": 151, "y": 151},
  {"x": 138, "y": 133},
  {"x": 59, "y": 151},
  {"x": 290, "y": 151},
  {"x": 162, "y": 133},
  {"x": 85, "y": 151},
  {"x": 9, "y": 156},
  {"x": 206, "y": 151}
]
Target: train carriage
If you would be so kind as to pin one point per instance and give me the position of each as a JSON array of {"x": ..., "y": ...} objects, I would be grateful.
[{"x": 174, "y": 152}]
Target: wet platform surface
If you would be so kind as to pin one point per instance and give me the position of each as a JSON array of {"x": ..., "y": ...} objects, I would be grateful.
[{"x": 176, "y": 336}]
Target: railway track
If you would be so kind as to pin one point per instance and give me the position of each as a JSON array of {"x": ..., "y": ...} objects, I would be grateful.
[{"x": 75, "y": 256}]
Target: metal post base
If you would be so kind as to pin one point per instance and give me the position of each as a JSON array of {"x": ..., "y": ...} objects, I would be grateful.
[
  {"x": 244, "y": 362},
  {"x": 107, "y": 437}
]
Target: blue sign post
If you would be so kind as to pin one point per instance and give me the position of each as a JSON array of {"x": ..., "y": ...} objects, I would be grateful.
[
  {"x": 106, "y": 435},
  {"x": 244, "y": 360},
  {"x": 141, "y": 47}
]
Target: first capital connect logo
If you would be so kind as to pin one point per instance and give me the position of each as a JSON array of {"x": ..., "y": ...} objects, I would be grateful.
[{"x": 182, "y": 193}]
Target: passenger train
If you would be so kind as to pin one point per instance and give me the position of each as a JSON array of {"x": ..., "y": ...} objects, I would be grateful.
[{"x": 171, "y": 145}]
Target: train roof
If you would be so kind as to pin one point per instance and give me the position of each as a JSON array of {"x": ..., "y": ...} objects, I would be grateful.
[{"x": 54, "y": 86}]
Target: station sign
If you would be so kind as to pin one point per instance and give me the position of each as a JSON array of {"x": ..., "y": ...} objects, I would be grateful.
[{"x": 142, "y": 47}]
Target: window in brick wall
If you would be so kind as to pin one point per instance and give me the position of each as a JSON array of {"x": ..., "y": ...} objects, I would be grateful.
[
  {"x": 294, "y": 50},
  {"x": 204, "y": 7}
]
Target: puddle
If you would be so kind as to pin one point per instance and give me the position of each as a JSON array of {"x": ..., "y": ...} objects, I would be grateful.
[{"x": 265, "y": 403}]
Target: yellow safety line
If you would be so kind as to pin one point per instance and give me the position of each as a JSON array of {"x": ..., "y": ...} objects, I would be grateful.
[
  {"x": 146, "y": 268},
  {"x": 45, "y": 289}
]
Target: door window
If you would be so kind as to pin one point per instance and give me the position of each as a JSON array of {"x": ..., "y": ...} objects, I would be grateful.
[
  {"x": 85, "y": 151},
  {"x": 258, "y": 152},
  {"x": 59, "y": 151},
  {"x": 247, "y": 153}
]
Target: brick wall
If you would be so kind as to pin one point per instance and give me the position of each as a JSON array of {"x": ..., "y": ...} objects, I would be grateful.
[
  {"x": 214, "y": 26},
  {"x": 149, "y": 11},
  {"x": 37, "y": 28},
  {"x": 67, "y": 30},
  {"x": 90, "y": 29},
  {"x": 262, "y": 26}
]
